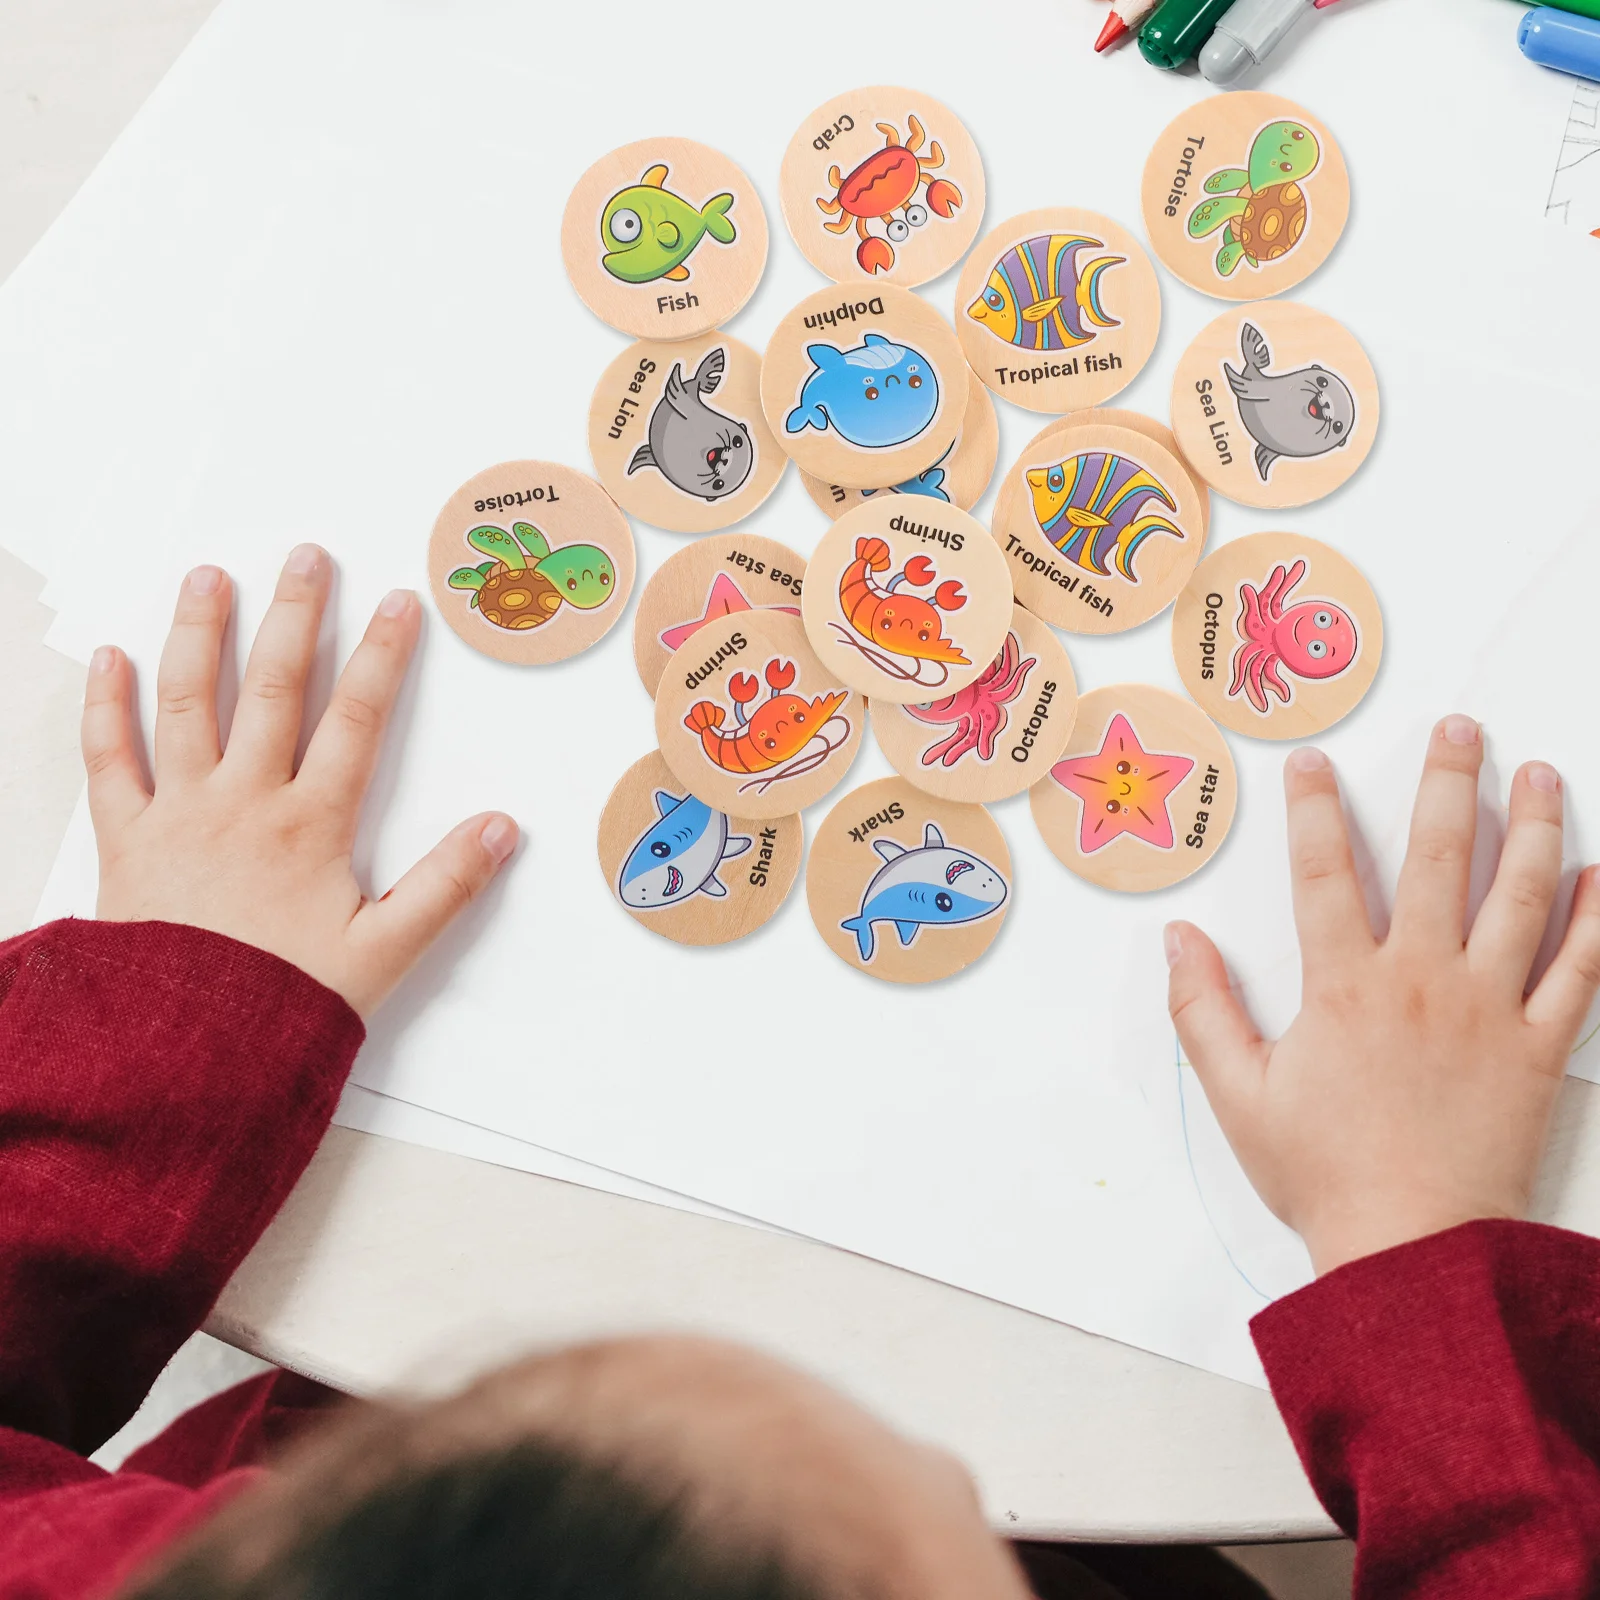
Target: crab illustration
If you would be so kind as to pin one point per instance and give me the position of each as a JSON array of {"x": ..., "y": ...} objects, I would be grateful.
[
  {"x": 1263, "y": 207},
  {"x": 885, "y": 184},
  {"x": 979, "y": 711}
]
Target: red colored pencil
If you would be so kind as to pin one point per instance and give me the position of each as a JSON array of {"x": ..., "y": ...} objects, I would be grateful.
[{"x": 1126, "y": 15}]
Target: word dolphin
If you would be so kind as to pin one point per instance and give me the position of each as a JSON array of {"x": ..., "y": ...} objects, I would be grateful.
[
  {"x": 678, "y": 855},
  {"x": 930, "y": 886}
]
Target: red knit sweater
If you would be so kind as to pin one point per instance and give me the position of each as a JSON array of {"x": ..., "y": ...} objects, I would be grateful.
[{"x": 161, "y": 1089}]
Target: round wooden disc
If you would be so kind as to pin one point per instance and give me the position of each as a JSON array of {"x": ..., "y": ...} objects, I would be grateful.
[
  {"x": 864, "y": 385},
  {"x": 1275, "y": 404},
  {"x": 797, "y": 742},
  {"x": 958, "y": 478},
  {"x": 1100, "y": 527},
  {"x": 654, "y": 244},
  {"x": 907, "y": 599},
  {"x": 898, "y": 171},
  {"x": 1058, "y": 309},
  {"x": 1144, "y": 794},
  {"x": 695, "y": 458},
  {"x": 689, "y": 873},
  {"x": 705, "y": 580},
  {"x": 905, "y": 886},
  {"x": 1277, "y": 636},
  {"x": 992, "y": 739},
  {"x": 572, "y": 562},
  {"x": 1217, "y": 232}
]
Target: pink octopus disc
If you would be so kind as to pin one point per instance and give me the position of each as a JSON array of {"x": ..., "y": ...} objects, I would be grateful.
[
  {"x": 999, "y": 734},
  {"x": 882, "y": 183},
  {"x": 1277, "y": 636}
]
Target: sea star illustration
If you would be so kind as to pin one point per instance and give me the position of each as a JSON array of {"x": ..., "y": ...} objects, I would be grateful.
[
  {"x": 1124, "y": 789},
  {"x": 722, "y": 599}
]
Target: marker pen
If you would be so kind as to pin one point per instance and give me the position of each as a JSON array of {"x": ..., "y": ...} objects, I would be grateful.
[
  {"x": 1177, "y": 30},
  {"x": 1249, "y": 33},
  {"x": 1558, "y": 39},
  {"x": 1583, "y": 8}
]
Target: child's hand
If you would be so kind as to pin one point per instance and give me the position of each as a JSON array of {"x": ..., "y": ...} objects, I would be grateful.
[
  {"x": 1414, "y": 1090},
  {"x": 241, "y": 843}
]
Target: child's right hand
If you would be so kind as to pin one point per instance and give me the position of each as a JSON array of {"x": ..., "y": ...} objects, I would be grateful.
[
  {"x": 241, "y": 842},
  {"x": 1414, "y": 1090}
]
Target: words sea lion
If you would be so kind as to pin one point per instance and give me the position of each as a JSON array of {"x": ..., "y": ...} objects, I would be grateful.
[{"x": 1300, "y": 414}]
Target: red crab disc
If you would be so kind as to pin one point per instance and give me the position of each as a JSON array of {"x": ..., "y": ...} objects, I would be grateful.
[{"x": 884, "y": 182}]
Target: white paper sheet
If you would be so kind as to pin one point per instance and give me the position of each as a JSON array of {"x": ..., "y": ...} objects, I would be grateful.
[{"x": 318, "y": 287}]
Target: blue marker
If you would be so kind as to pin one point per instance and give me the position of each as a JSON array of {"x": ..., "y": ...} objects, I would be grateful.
[{"x": 1560, "y": 40}]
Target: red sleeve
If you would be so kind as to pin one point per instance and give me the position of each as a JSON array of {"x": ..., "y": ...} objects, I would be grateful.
[
  {"x": 1445, "y": 1400},
  {"x": 161, "y": 1089}
]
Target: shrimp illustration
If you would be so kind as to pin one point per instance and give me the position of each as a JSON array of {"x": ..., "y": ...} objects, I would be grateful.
[
  {"x": 784, "y": 737},
  {"x": 890, "y": 628}
]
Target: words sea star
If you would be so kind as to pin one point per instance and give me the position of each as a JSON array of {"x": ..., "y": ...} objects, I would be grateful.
[{"x": 1124, "y": 789}]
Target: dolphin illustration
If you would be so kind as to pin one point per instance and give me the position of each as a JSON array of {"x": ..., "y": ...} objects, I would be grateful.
[
  {"x": 678, "y": 855},
  {"x": 931, "y": 885}
]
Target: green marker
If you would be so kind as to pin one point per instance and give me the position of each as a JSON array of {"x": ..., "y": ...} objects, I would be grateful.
[
  {"x": 1580, "y": 8},
  {"x": 1178, "y": 30}
]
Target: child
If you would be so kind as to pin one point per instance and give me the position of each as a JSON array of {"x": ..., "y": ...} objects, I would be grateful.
[{"x": 166, "y": 1072}]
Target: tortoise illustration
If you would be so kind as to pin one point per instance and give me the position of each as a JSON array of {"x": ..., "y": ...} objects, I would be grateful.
[
  {"x": 1263, "y": 208},
  {"x": 514, "y": 592}
]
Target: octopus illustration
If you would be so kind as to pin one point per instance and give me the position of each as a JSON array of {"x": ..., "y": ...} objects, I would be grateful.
[
  {"x": 784, "y": 737},
  {"x": 883, "y": 189},
  {"x": 979, "y": 711},
  {"x": 1315, "y": 639},
  {"x": 900, "y": 634}
]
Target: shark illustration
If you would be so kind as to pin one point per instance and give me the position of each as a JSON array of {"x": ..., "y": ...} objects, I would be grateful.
[
  {"x": 677, "y": 856},
  {"x": 933, "y": 885}
]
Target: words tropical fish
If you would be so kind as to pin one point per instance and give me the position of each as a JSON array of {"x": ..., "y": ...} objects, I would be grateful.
[
  {"x": 649, "y": 232},
  {"x": 929, "y": 886},
  {"x": 1038, "y": 298}
]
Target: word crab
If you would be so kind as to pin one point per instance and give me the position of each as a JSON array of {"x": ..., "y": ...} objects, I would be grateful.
[{"x": 885, "y": 184}]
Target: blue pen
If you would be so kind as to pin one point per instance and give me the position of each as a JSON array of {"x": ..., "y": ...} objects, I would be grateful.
[{"x": 1560, "y": 40}]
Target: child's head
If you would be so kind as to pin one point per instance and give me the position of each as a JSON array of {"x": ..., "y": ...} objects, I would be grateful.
[{"x": 642, "y": 1469}]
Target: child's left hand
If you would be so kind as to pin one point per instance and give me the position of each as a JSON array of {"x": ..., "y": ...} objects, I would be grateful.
[{"x": 239, "y": 841}]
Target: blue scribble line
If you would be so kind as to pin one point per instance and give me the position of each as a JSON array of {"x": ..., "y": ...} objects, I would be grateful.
[{"x": 1200, "y": 1194}]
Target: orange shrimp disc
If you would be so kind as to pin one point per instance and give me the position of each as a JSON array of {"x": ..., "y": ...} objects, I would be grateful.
[
  {"x": 749, "y": 719},
  {"x": 907, "y": 600}
]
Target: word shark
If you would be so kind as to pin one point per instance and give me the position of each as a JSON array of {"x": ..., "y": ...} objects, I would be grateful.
[
  {"x": 678, "y": 855},
  {"x": 933, "y": 885}
]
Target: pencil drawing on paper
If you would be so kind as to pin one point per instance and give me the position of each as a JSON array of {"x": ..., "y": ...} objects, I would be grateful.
[{"x": 1574, "y": 198}]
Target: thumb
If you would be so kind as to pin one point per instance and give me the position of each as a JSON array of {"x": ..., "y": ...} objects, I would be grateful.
[
  {"x": 1218, "y": 1037},
  {"x": 397, "y": 929}
]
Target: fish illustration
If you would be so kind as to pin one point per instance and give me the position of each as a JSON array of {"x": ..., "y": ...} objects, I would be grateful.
[
  {"x": 699, "y": 450},
  {"x": 1038, "y": 297},
  {"x": 1303, "y": 413},
  {"x": 677, "y": 856},
  {"x": 649, "y": 232},
  {"x": 932, "y": 885},
  {"x": 1092, "y": 509},
  {"x": 929, "y": 482},
  {"x": 877, "y": 395}
]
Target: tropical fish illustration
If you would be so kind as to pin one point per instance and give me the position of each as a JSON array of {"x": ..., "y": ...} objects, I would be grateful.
[
  {"x": 677, "y": 856},
  {"x": 1091, "y": 507},
  {"x": 649, "y": 232},
  {"x": 1303, "y": 413},
  {"x": 786, "y": 736},
  {"x": 517, "y": 593},
  {"x": 876, "y": 396},
  {"x": 1039, "y": 298},
  {"x": 699, "y": 450},
  {"x": 931, "y": 886},
  {"x": 929, "y": 482}
]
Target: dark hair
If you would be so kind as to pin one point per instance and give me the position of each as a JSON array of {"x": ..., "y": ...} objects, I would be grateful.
[{"x": 531, "y": 1522}]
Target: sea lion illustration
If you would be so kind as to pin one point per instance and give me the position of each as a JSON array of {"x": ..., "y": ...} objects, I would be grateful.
[
  {"x": 1300, "y": 414},
  {"x": 696, "y": 448}
]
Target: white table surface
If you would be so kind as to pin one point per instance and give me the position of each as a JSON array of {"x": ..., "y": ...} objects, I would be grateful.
[{"x": 393, "y": 1264}]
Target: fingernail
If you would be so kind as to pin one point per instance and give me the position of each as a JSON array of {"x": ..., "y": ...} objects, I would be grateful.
[
  {"x": 1306, "y": 759},
  {"x": 1460, "y": 730},
  {"x": 1544, "y": 778},
  {"x": 396, "y": 603},
  {"x": 103, "y": 660},
  {"x": 304, "y": 560},
  {"x": 1172, "y": 940},
  {"x": 204, "y": 580},
  {"x": 499, "y": 838}
]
